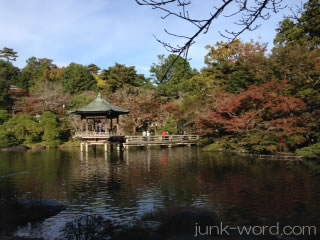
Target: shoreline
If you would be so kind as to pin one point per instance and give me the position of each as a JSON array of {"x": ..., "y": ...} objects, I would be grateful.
[
  {"x": 207, "y": 148},
  {"x": 288, "y": 156}
]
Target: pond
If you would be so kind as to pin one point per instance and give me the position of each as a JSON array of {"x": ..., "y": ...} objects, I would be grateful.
[{"x": 126, "y": 185}]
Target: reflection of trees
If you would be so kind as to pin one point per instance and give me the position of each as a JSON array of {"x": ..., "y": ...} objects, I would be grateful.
[
  {"x": 262, "y": 191},
  {"x": 178, "y": 184},
  {"x": 122, "y": 184},
  {"x": 43, "y": 173}
]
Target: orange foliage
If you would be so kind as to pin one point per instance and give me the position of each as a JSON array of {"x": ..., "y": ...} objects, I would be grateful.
[{"x": 265, "y": 107}]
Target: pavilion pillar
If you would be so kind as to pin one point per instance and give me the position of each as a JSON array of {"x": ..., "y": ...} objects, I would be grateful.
[
  {"x": 87, "y": 147},
  {"x": 81, "y": 146},
  {"x": 105, "y": 125},
  {"x": 86, "y": 126},
  {"x": 111, "y": 125},
  {"x": 82, "y": 127},
  {"x": 106, "y": 147},
  {"x": 117, "y": 129}
]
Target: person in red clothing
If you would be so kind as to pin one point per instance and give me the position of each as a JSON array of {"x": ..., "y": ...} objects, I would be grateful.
[{"x": 164, "y": 135}]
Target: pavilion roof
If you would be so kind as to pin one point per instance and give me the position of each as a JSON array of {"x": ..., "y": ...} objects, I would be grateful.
[{"x": 99, "y": 105}]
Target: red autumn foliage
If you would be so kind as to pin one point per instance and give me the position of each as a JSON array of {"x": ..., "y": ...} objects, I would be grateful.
[
  {"x": 31, "y": 104},
  {"x": 143, "y": 107},
  {"x": 265, "y": 107},
  {"x": 172, "y": 108}
]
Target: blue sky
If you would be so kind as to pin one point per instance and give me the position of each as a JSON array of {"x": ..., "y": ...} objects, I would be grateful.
[{"x": 104, "y": 32}]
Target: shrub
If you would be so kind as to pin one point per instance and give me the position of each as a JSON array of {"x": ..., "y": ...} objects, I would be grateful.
[
  {"x": 4, "y": 116},
  {"x": 51, "y": 129},
  {"x": 24, "y": 128},
  {"x": 89, "y": 227},
  {"x": 312, "y": 151},
  {"x": 170, "y": 127},
  {"x": 213, "y": 147},
  {"x": 7, "y": 139},
  {"x": 260, "y": 143}
]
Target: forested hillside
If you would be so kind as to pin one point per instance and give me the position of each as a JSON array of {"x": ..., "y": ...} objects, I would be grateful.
[{"x": 245, "y": 98}]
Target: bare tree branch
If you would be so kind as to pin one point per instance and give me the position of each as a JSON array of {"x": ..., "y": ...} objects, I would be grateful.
[{"x": 247, "y": 12}]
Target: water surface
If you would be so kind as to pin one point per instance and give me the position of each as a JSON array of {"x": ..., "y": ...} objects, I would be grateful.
[{"x": 125, "y": 185}]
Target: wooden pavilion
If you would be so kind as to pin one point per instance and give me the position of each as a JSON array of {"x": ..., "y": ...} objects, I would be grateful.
[{"x": 97, "y": 122}]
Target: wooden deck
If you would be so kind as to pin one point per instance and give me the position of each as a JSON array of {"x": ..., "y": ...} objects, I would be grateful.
[{"x": 159, "y": 140}]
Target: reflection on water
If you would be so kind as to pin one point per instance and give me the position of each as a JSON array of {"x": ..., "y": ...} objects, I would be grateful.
[{"x": 124, "y": 185}]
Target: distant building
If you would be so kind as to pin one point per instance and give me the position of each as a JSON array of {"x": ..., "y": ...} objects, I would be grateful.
[{"x": 15, "y": 91}]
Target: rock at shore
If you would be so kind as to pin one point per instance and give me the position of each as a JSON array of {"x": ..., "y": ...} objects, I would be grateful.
[
  {"x": 44, "y": 208},
  {"x": 19, "y": 148},
  {"x": 23, "y": 211}
]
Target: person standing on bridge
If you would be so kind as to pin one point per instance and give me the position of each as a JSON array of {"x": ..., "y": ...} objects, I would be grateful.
[
  {"x": 164, "y": 135},
  {"x": 144, "y": 134}
]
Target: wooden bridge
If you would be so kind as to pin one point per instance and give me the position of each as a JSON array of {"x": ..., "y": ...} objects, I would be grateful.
[
  {"x": 102, "y": 138},
  {"x": 169, "y": 141}
]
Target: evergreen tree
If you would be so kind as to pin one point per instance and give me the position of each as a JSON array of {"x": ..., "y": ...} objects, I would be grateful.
[
  {"x": 35, "y": 71},
  {"x": 51, "y": 129},
  {"x": 119, "y": 76},
  {"x": 8, "y": 54},
  {"x": 78, "y": 78},
  {"x": 8, "y": 76},
  {"x": 304, "y": 29},
  {"x": 170, "y": 75}
]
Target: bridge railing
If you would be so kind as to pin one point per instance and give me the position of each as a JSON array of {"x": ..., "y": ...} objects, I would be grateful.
[{"x": 162, "y": 139}]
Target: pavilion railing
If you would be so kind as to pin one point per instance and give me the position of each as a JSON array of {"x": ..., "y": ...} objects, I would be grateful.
[
  {"x": 162, "y": 139},
  {"x": 92, "y": 134}
]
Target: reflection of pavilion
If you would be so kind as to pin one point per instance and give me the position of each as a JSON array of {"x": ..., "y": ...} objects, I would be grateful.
[{"x": 97, "y": 125}]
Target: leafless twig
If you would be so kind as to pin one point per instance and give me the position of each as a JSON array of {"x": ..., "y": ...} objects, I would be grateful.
[{"x": 247, "y": 13}]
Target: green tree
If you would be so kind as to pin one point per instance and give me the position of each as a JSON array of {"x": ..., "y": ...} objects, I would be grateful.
[
  {"x": 170, "y": 126},
  {"x": 170, "y": 75},
  {"x": 312, "y": 151},
  {"x": 300, "y": 66},
  {"x": 119, "y": 76},
  {"x": 8, "y": 54},
  {"x": 6, "y": 139},
  {"x": 8, "y": 76},
  {"x": 24, "y": 128},
  {"x": 81, "y": 100},
  {"x": 8, "y": 72},
  {"x": 304, "y": 29},
  {"x": 51, "y": 129},
  {"x": 236, "y": 66},
  {"x": 36, "y": 70},
  {"x": 94, "y": 69},
  {"x": 4, "y": 95},
  {"x": 4, "y": 116},
  {"x": 78, "y": 78},
  {"x": 296, "y": 58}
]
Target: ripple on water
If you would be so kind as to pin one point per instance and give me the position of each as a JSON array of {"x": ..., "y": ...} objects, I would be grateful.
[{"x": 127, "y": 185}]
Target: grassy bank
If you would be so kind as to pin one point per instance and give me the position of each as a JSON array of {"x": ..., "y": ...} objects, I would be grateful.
[{"x": 312, "y": 152}]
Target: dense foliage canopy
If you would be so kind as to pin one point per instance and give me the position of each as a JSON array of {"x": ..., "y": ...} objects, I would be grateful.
[{"x": 244, "y": 98}]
